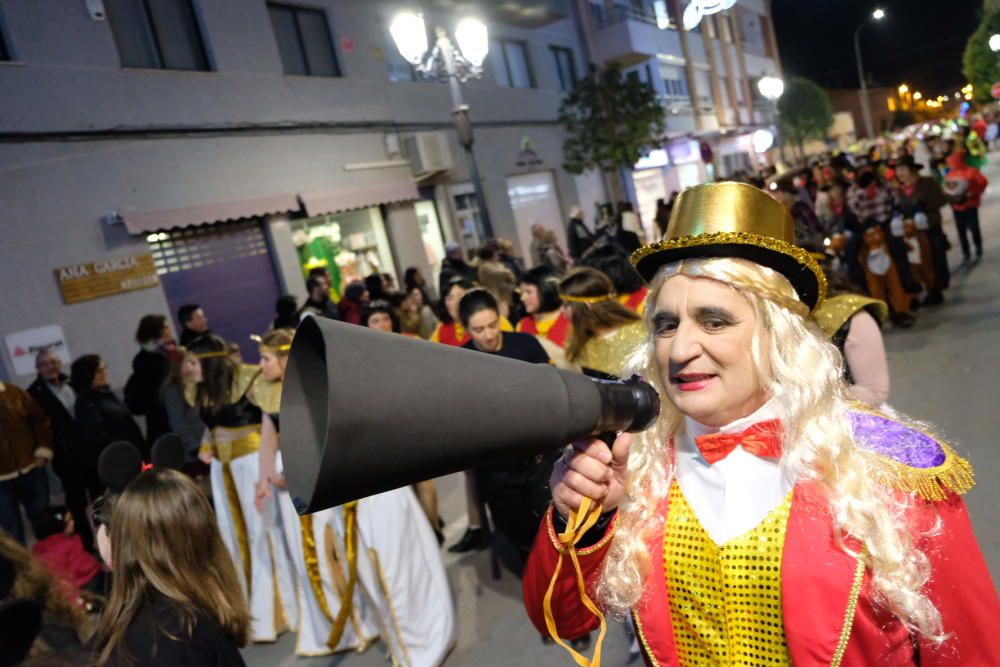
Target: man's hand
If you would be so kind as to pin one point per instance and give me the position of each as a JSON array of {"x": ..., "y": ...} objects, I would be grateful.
[{"x": 589, "y": 469}]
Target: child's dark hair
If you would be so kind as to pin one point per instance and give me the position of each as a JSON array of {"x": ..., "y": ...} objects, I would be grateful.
[{"x": 50, "y": 521}]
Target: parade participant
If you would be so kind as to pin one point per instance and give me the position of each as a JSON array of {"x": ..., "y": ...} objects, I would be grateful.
[
  {"x": 318, "y": 567},
  {"x": 382, "y": 316},
  {"x": 450, "y": 331},
  {"x": 853, "y": 323},
  {"x": 514, "y": 490},
  {"x": 416, "y": 317},
  {"x": 175, "y": 597},
  {"x": 545, "y": 320},
  {"x": 964, "y": 186},
  {"x": 604, "y": 331},
  {"x": 229, "y": 398},
  {"x": 872, "y": 203},
  {"x": 882, "y": 276},
  {"x": 918, "y": 193},
  {"x": 610, "y": 261},
  {"x": 762, "y": 519}
]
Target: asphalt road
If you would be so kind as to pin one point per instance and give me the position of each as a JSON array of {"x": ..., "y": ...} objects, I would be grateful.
[{"x": 945, "y": 371}]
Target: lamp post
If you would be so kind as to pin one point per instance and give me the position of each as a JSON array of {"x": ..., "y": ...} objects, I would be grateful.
[
  {"x": 772, "y": 88},
  {"x": 866, "y": 111},
  {"x": 446, "y": 63}
]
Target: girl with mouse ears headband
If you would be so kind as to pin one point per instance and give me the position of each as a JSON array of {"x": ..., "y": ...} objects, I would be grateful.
[{"x": 175, "y": 595}]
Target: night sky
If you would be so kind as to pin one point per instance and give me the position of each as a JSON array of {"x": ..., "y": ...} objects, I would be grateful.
[{"x": 919, "y": 42}]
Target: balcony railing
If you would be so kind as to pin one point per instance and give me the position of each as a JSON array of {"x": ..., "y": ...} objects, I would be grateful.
[{"x": 646, "y": 13}]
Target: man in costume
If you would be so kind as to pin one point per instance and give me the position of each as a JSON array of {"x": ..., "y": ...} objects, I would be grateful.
[{"x": 763, "y": 519}]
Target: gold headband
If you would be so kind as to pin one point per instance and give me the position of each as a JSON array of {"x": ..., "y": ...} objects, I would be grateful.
[
  {"x": 276, "y": 348},
  {"x": 210, "y": 355},
  {"x": 587, "y": 299}
]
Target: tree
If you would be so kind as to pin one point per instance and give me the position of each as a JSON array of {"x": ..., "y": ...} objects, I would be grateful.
[
  {"x": 804, "y": 112},
  {"x": 611, "y": 121},
  {"x": 980, "y": 65}
]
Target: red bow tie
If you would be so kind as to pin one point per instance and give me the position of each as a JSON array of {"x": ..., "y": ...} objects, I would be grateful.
[{"x": 761, "y": 439}]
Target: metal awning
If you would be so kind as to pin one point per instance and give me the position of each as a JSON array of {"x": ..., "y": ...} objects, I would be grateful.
[
  {"x": 140, "y": 222},
  {"x": 321, "y": 202}
]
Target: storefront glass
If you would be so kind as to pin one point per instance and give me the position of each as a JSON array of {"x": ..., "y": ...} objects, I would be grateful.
[{"x": 351, "y": 245}]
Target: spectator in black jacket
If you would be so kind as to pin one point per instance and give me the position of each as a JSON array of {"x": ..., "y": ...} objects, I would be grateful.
[
  {"x": 194, "y": 324},
  {"x": 149, "y": 371},
  {"x": 52, "y": 391},
  {"x": 578, "y": 237},
  {"x": 103, "y": 418}
]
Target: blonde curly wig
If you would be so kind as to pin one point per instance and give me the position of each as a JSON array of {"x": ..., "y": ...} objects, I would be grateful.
[{"x": 818, "y": 440}]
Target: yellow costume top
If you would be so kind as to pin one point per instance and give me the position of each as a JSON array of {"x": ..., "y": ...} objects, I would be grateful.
[{"x": 608, "y": 353}]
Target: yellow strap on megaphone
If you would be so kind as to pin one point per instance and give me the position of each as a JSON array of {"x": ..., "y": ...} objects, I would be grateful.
[
  {"x": 351, "y": 547},
  {"x": 579, "y": 523}
]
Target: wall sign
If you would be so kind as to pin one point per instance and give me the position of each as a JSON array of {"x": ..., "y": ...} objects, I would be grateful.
[
  {"x": 527, "y": 157},
  {"x": 83, "y": 282},
  {"x": 22, "y": 346}
]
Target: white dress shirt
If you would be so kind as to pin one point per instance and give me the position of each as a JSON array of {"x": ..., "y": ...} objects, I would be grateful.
[{"x": 731, "y": 496}]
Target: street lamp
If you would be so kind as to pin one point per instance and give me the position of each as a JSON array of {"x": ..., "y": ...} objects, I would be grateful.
[
  {"x": 446, "y": 63},
  {"x": 772, "y": 88},
  {"x": 995, "y": 43},
  {"x": 866, "y": 111}
]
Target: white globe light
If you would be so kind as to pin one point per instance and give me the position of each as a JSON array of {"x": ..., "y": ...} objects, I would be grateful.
[
  {"x": 410, "y": 35},
  {"x": 771, "y": 87},
  {"x": 995, "y": 42},
  {"x": 473, "y": 40},
  {"x": 878, "y": 14},
  {"x": 762, "y": 140}
]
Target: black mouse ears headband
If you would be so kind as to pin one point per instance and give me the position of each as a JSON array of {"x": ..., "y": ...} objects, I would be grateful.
[{"x": 120, "y": 462}]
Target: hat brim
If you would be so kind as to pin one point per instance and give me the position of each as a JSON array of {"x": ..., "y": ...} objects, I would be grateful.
[{"x": 796, "y": 264}]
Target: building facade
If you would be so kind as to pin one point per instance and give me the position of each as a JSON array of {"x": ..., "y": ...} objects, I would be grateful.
[
  {"x": 212, "y": 151},
  {"x": 706, "y": 79}
]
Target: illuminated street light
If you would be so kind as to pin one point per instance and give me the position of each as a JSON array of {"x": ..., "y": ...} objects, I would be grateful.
[
  {"x": 995, "y": 43},
  {"x": 918, "y": 95},
  {"x": 771, "y": 87},
  {"x": 903, "y": 88},
  {"x": 866, "y": 111},
  {"x": 878, "y": 14}
]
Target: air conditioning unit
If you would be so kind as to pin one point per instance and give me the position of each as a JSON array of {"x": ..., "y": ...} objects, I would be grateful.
[{"x": 427, "y": 152}]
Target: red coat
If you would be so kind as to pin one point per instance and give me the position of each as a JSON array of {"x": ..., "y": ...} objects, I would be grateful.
[
  {"x": 817, "y": 577},
  {"x": 976, "y": 182},
  {"x": 65, "y": 556}
]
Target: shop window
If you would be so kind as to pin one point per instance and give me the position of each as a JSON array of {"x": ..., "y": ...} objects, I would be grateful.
[
  {"x": 565, "y": 66},
  {"x": 351, "y": 245},
  {"x": 157, "y": 34},
  {"x": 511, "y": 66},
  {"x": 304, "y": 40}
]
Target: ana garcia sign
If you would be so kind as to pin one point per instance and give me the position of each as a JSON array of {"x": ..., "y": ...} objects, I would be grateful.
[
  {"x": 527, "y": 157},
  {"x": 83, "y": 282},
  {"x": 22, "y": 347}
]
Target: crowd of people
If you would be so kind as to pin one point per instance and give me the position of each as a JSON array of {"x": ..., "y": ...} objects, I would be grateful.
[{"x": 101, "y": 571}]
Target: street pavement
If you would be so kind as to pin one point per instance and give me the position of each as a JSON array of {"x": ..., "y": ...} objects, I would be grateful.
[{"x": 945, "y": 371}]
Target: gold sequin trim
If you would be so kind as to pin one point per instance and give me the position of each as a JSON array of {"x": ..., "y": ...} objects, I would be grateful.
[
  {"x": 852, "y": 604},
  {"x": 608, "y": 353},
  {"x": 550, "y": 527},
  {"x": 954, "y": 476},
  {"x": 383, "y": 584},
  {"x": 739, "y": 238},
  {"x": 836, "y": 310}
]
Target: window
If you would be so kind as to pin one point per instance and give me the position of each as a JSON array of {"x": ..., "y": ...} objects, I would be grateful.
[
  {"x": 157, "y": 34},
  {"x": 704, "y": 82},
  {"x": 566, "y": 67},
  {"x": 751, "y": 31},
  {"x": 304, "y": 40},
  {"x": 675, "y": 84},
  {"x": 510, "y": 64},
  {"x": 642, "y": 73}
]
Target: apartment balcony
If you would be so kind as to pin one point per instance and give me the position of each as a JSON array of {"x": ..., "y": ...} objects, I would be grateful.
[
  {"x": 628, "y": 36},
  {"x": 679, "y": 116}
]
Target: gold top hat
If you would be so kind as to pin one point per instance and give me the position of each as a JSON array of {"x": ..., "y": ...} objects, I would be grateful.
[{"x": 734, "y": 220}]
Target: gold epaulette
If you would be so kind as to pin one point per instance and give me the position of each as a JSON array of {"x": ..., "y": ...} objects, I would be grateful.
[
  {"x": 243, "y": 379},
  {"x": 836, "y": 310},
  {"x": 908, "y": 459},
  {"x": 267, "y": 395}
]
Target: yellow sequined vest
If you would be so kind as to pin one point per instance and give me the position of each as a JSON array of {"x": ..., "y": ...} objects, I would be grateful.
[{"x": 725, "y": 602}]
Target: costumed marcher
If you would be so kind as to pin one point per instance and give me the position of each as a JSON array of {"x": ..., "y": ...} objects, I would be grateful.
[
  {"x": 318, "y": 560},
  {"x": 964, "y": 186},
  {"x": 176, "y": 597},
  {"x": 545, "y": 320},
  {"x": 382, "y": 316},
  {"x": 882, "y": 276},
  {"x": 853, "y": 323},
  {"x": 923, "y": 194},
  {"x": 763, "y": 519},
  {"x": 604, "y": 331},
  {"x": 629, "y": 287},
  {"x": 229, "y": 398}
]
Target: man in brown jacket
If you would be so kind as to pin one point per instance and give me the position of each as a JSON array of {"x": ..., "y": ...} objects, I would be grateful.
[{"x": 25, "y": 448}]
